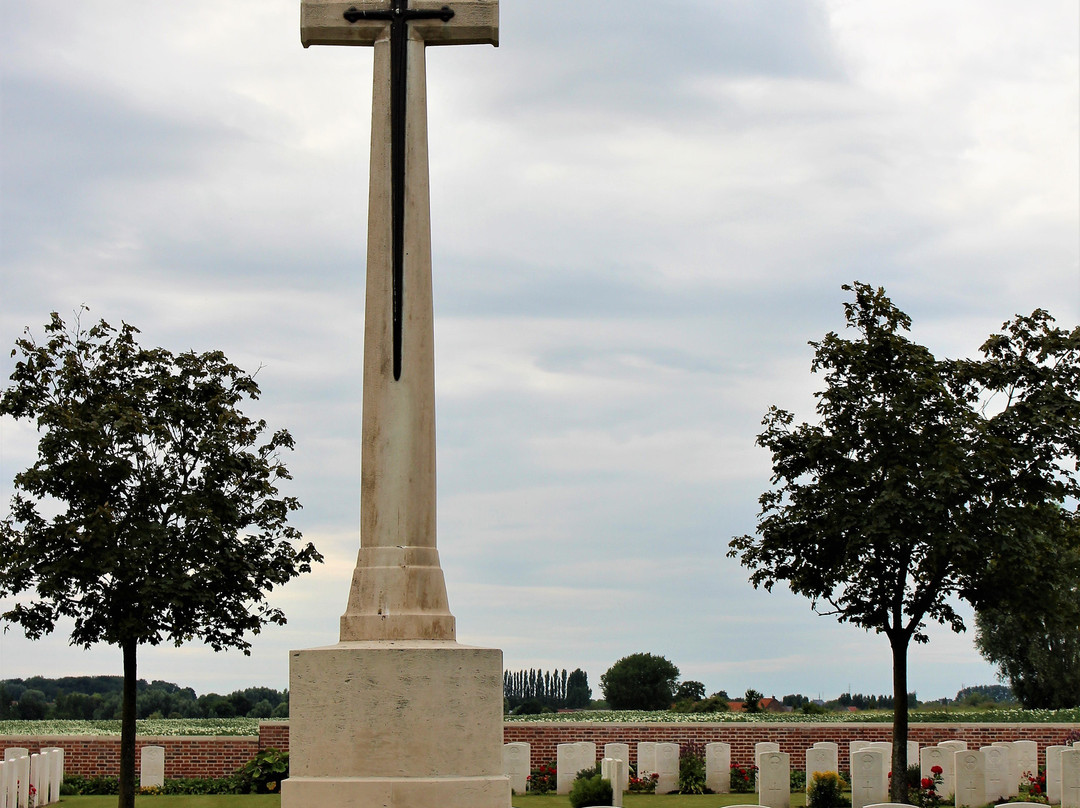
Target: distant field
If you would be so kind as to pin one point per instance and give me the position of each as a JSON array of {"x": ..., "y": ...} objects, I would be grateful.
[{"x": 250, "y": 726}]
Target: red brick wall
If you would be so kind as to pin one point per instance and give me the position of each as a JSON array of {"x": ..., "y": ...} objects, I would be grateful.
[
  {"x": 794, "y": 739},
  {"x": 94, "y": 755},
  {"x": 217, "y": 757}
]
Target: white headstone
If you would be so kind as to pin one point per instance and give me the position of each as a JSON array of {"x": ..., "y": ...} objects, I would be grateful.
[
  {"x": 40, "y": 778},
  {"x": 152, "y": 767},
  {"x": 3, "y": 783},
  {"x": 15, "y": 752},
  {"x": 646, "y": 758},
  {"x": 819, "y": 759},
  {"x": 996, "y": 766},
  {"x": 56, "y": 776},
  {"x": 667, "y": 766},
  {"x": 1012, "y": 767},
  {"x": 931, "y": 756},
  {"x": 570, "y": 759},
  {"x": 868, "y": 777},
  {"x": 1053, "y": 773},
  {"x": 765, "y": 746},
  {"x": 970, "y": 779},
  {"x": 517, "y": 764},
  {"x": 620, "y": 751},
  {"x": 611, "y": 769},
  {"x": 912, "y": 753},
  {"x": 1070, "y": 777},
  {"x": 774, "y": 779},
  {"x": 956, "y": 746},
  {"x": 718, "y": 767},
  {"x": 1027, "y": 757},
  {"x": 22, "y": 774},
  {"x": 853, "y": 747}
]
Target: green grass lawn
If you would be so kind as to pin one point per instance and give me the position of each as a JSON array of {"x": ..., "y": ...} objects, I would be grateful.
[
  {"x": 527, "y": 801},
  {"x": 656, "y": 800},
  {"x": 180, "y": 801}
]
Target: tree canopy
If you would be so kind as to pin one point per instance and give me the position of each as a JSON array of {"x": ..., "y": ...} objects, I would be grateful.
[
  {"x": 152, "y": 512},
  {"x": 923, "y": 480},
  {"x": 640, "y": 682},
  {"x": 1037, "y": 647}
]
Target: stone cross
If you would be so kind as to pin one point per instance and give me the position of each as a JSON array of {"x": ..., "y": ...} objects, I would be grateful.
[{"x": 398, "y": 591}]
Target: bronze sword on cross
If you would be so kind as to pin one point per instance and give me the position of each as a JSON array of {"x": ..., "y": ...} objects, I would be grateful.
[{"x": 399, "y": 15}]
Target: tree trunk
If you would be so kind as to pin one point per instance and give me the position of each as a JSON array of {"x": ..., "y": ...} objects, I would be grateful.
[
  {"x": 898, "y": 790},
  {"x": 127, "y": 728}
]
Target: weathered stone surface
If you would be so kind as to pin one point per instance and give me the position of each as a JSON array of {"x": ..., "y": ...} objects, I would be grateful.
[
  {"x": 517, "y": 764},
  {"x": 774, "y": 779},
  {"x": 970, "y": 767},
  {"x": 718, "y": 767},
  {"x": 868, "y": 777},
  {"x": 152, "y": 767}
]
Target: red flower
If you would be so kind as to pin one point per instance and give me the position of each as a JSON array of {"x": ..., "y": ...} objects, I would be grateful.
[
  {"x": 927, "y": 782},
  {"x": 1035, "y": 789},
  {"x": 936, "y": 769}
]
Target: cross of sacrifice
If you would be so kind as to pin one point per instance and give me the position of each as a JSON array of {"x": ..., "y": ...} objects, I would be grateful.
[{"x": 398, "y": 591}]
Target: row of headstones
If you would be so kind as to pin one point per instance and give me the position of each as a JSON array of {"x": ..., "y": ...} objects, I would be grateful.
[
  {"x": 975, "y": 777},
  {"x": 29, "y": 780}
]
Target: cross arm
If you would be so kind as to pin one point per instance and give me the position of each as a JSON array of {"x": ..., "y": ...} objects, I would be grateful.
[{"x": 323, "y": 22}]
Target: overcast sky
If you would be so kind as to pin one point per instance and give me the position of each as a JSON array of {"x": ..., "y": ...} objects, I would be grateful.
[{"x": 641, "y": 213}]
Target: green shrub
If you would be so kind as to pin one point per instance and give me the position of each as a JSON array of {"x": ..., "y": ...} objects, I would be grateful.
[
  {"x": 692, "y": 769},
  {"x": 798, "y": 781},
  {"x": 199, "y": 785},
  {"x": 743, "y": 778},
  {"x": 263, "y": 773},
  {"x": 542, "y": 779},
  {"x": 77, "y": 784},
  {"x": 592, "y": 790},
  {"x": 826, "y": 791}
]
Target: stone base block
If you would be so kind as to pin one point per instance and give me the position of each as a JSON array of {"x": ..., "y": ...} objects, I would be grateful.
[
  {"x": 389, "y": 792},
  {"x": 395, "y": 724}
]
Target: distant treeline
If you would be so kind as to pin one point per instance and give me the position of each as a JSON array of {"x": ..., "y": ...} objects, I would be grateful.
[
  {"x": 98, "y": 697},
  {"x": 554, "y": 689}
]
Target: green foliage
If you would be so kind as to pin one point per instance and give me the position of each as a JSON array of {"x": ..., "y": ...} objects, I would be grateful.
[
  {"x": 743, "y": 778},
  {"x": 542, "y": 779},
  {"x": 692, "y": 768},
  {"x": 263, "y": 773},
  {"x": 75, "y": 784},
  {"x": 152, "y": 511},
  {"x": 797, "y": 780},
  {"x": 592, "y": 790},
  {"x": 1037, "y": 648},
  {"x": 752, "y": 701},
  {"x": 640, "y": 682},
  {"x": 690, "y": 691},
  {"x": 921, "y": 480},
  {"x": 716, "y": 703},
  {"x": 550, "y": 689},
  {"x": 826, "y": 790},
  {"x": 578, "y": 692}
]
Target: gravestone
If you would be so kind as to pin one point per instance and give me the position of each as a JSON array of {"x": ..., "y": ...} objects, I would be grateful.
[
  {"x": 22, "y": 776},
  {"x": 397, "y": 714},
  {"x": 955, "y": 746},
  {"x": 718, "y": 767},
  {"x": 570, "y": 758},
  {"x": 996, "y": 766},
  {"x": 15, "y": 752},
  {"x": 931, "y": 756},
  {"x": 765, "y": 746},
  {"x": 3, "y": 783},
  {"x": 912, "y": 753},
  {"x": 970, "y": 768},
  {"x": 667, "y": 766},
  {"x": 56, "y": 776},
  {"x": 646, "y": 758},
  {"x": 517, "y": 765},
  {"x": 868, "y": 776},
  {"x": 853, "y": 747},
  {"x": 1027, "y": 758},
  {"x": 885, "y": 747},
  {"x": 152, "y": 767},
  {"x": 40, "y": 777},
  {"x": 819, "y": 759},
  {"x": 612, "y": 770},
  {"x": 620, "y": 751},
  {"x": 834, "y": 749},
  {"x": 1070, "y": 777},
  {"x": 1012, "y": 767},
  {"x": 1053, "y": 773},
  {"x": 774, "y": 779}
]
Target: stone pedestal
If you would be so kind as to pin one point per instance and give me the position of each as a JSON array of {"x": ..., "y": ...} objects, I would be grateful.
[{"x": 405, "y": 724}]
